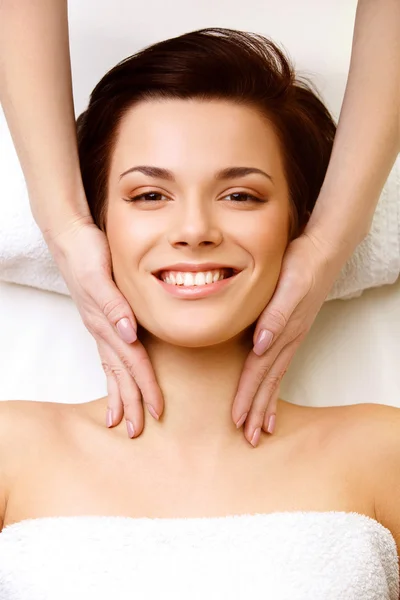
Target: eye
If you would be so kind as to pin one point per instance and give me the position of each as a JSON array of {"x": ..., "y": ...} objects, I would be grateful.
[
  {"x": 147, "y": 197},
  {"x": 243, "y": 197},
  {"x": 153, "y": 197}
]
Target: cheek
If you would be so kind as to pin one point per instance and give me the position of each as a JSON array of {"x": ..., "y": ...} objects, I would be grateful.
[
  {"x": 265, "y": 239},
  {"x": 267, "y": 246},
  {"x": 128, "y": 242},
  {"x": 122, "y": 226}
]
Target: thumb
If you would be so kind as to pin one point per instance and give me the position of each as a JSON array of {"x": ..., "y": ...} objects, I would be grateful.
[
  {"x": 118, "y": 312},
  {"x": 276, "y": 315}
]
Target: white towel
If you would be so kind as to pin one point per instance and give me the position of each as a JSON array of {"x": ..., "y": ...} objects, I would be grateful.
[
  {"x": 279, "y": 556},
  {"x": 25, "y": 258}
]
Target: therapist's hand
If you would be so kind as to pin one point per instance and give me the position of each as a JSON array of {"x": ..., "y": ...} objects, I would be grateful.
[
  {"x": 309, "y": 269},
  {"x": 82, "y": 253}
]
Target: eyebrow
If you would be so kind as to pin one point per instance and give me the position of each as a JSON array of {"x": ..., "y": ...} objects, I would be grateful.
[{"x": 228, "y": 173}]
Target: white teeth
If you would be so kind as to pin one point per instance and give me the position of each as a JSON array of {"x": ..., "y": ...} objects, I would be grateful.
[
  {"x": 200, "y": 279},
  {"x": 188, "y": 279},
  {"x": 192, "y": 279}
]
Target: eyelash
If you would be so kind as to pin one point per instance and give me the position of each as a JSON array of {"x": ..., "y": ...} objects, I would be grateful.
[{"x": 140, "y": 196}]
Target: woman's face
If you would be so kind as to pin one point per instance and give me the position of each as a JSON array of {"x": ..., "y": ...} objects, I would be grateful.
[{"x": 196, "y": 217}]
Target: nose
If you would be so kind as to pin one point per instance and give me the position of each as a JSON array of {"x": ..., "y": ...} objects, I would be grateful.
[{"x": 195, "y": 224}]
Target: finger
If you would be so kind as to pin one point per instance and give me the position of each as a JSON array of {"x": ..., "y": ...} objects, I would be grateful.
[
  {"x": 266, "y": 398},
  {"x": 267, "y": 418},
  {"x": 263, "y": 407},
  {"x": 136, "y": 361},
  {"x": 275, "y": 317},
  {"x": 270, "y": 414},
  {"x": 253, "y": 374},
  {"x": 114, "y": 402},
  {"x": 127, "y": 400},
  {"x": 117, "y": 310}
]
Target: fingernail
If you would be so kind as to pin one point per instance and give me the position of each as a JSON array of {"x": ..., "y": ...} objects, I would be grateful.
[
  {"x": 109, "y": 417},
  {"x": 256, "y": 437},
  {"x": 152, "y": 412},
  {"x": 126, "y": 331},
  {"x": 131, "y": 429},
  {"x": 241, "y": 420},
  {"x": 263, "y": 342},
  {"x": 271, "y": 424}
]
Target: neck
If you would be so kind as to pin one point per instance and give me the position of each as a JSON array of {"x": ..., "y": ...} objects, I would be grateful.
[{"x": 199, "y": 386}]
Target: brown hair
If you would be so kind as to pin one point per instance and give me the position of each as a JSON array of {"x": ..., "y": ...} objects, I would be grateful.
[{"x": 220, "y": 64}]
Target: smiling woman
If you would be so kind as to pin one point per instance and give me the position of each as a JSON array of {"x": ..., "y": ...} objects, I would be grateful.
[
  {"x": 240, "y": 220},
  {"x": 202, "y": 157},
  {"x": 211, "y": 147}
]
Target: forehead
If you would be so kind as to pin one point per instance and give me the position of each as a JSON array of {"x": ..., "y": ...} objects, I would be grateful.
[{"x": 178, "y": 132}]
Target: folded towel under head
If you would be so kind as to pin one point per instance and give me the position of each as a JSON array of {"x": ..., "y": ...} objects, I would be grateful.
[
  {"x": 25, "y": 258},
  {"x": 284, "y": 556}
]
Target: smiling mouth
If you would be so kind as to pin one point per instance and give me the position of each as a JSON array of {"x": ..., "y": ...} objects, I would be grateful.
[{"x": 193, "y": 279}]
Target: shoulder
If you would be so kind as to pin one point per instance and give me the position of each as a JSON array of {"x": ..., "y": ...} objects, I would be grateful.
[
  {"x": 374, "y": 437},
  {"x": 11, "y": 414},
  {"x": 365, "y": 436},
  {"x": 17, "y": 423},
  {"x": 21, "y": 420},
  {"x": 380, "y": 427},
  {"x": 24, "y": 426},
  {"x": 362, "y": 422},
  {"x": 376, "y": 420},
  {"x": 370, "y": 430},
  {"x": 377, "y": 426},
  {"x": 352, "y": 424}
]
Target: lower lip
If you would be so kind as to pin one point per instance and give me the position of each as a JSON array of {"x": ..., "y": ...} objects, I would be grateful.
[{"x": 196, "y": 291}]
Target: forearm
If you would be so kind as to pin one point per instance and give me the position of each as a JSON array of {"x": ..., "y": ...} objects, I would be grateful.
[
  {"x": 368, "y": 134},
  {"x": 36, "y": 95}
]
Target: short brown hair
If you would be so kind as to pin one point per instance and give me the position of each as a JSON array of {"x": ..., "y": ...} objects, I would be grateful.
[{"x": 220, "y": 64}]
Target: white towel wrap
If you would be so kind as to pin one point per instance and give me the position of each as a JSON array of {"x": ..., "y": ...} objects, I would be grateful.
[{"x": 280, "y": 556}]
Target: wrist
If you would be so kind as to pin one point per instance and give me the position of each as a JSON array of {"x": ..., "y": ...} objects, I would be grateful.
[
  {"x": 57, "y": 232},
  {"x": 340, "y": 233},
  {"x": 336, "y": 244},
  {"x": 65, "y": 212}
]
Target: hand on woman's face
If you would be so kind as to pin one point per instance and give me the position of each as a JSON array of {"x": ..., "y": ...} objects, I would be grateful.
[{"x": 193, "y": 216}]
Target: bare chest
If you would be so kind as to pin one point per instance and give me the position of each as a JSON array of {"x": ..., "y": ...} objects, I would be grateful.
[{"x": 71, "y": 478}]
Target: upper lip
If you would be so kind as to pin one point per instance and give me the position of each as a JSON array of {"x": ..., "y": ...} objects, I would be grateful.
[{"x": 196, "y": 267}]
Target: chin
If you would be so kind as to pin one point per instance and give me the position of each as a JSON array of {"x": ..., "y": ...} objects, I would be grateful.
[{"x": 198, "y": 333}]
